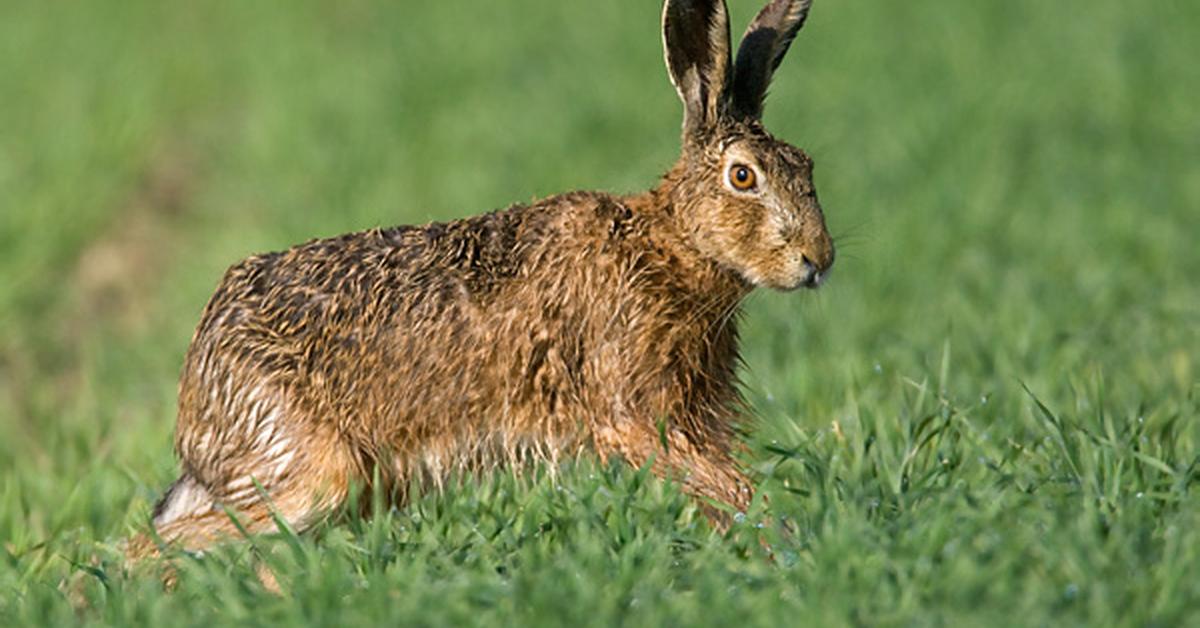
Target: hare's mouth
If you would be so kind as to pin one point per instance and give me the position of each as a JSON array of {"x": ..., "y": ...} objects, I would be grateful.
[
  {"x": 808, "y": 275},
  {"x": 808, "y": 280},
  {"x": 812, "y": 277},
  {"x": 812, "y": 283}
]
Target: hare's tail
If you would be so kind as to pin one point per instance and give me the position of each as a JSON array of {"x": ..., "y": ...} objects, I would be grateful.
[{"x": 186, "y": 497}]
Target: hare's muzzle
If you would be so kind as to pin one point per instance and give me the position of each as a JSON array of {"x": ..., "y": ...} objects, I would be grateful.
[
  {"x": 812, "y": 277},
  {"x": 817, "y": 260}
]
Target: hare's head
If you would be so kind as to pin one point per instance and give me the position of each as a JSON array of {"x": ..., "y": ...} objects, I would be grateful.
[{"x": 744, "y": 198}]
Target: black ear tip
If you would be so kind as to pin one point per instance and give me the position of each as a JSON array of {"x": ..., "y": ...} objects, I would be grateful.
[
  {"x": 760, "y": 39},
  {"x": 762, "y": 50}
]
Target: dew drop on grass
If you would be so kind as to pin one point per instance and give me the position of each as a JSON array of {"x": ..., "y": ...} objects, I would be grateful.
[
  {"x": 739, "y": 517},
  {"x": 1140, "y": 495},
  {"x": 878, "y": 367}
]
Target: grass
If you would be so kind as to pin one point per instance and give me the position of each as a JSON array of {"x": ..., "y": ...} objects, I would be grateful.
[{"x": 988, "y": 417}]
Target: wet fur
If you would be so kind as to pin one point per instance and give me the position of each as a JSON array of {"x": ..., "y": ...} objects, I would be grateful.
[{"x": 582, "y": 322}]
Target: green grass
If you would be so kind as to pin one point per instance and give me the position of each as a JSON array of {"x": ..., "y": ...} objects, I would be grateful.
[{"x": 988, "y": 417}]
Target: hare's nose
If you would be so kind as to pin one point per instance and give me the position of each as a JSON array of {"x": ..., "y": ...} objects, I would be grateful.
[
  {"x": 813, "y": 275},
  {"x": 820, "y": 253}
]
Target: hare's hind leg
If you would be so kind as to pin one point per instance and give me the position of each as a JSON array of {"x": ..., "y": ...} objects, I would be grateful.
[
  {"x": 189, "y": 518},
  {"x": 195, "y": 514}
]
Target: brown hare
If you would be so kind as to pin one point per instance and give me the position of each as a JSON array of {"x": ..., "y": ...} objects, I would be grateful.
[{"x": 586, "y": 321}]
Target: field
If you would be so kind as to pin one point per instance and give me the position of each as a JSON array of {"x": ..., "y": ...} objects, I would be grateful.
[{"x": 989, "y": 416}]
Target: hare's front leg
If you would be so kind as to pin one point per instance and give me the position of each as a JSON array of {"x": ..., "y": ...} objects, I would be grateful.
[{"x": 704, "y": 466}]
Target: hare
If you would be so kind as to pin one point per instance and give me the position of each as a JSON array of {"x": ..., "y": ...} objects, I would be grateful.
[{"x": 582, "y": 322}]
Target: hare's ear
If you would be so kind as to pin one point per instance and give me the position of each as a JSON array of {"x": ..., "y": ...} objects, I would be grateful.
[
  {"x": 762, "y": 49},
  {"x": 696, "y": 44}
]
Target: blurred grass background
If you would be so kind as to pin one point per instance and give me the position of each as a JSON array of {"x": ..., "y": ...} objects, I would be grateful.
[{"x": 1016, "y": 191}]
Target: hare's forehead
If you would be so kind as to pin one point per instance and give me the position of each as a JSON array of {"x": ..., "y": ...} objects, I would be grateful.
[
  {"x": 792, "y": 157},
  {"x": 766, "y": 152}
]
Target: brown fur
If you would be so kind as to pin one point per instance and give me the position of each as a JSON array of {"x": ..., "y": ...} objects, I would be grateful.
[{"x": 585, "y": 321}]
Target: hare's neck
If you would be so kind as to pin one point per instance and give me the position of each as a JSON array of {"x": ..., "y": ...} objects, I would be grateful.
[
  {"x": 691, "y": 273},
  {"x": 683, "y": 353}
]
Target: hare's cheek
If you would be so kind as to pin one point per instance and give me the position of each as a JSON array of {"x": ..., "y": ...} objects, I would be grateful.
[
  {"x": 779, "y": 261},
  {"x": 776, "y": 237},
  {"x": 779, "y": 229}
]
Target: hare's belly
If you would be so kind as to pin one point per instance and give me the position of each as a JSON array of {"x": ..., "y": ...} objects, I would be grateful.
[
  {"x": 456, "y": 453},
  {"x": 473, "y": 420}
]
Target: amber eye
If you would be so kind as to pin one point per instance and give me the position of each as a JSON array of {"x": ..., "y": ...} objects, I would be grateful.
[{"x": 742, "y": 177}]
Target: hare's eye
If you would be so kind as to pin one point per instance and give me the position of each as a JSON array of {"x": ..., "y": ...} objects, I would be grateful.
[{"x": 742, "y": 177}]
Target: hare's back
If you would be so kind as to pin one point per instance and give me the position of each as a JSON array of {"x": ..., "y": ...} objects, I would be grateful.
[
  {"x": 408, "y": 273},
  {"x": 343, "y": 290},
  {"x": 342, "y": 302}
]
